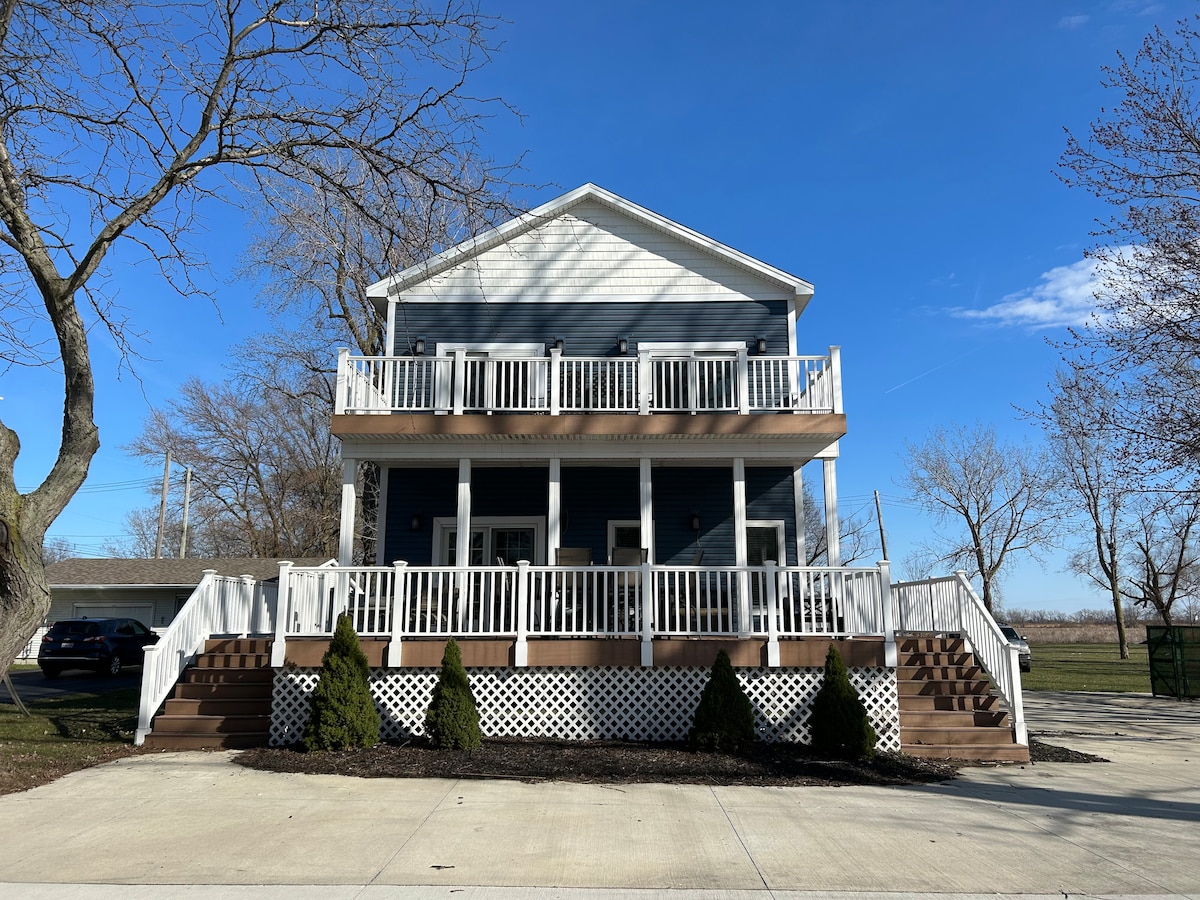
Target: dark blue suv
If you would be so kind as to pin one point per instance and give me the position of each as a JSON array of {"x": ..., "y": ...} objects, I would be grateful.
[{"x": 103, "y": 645}]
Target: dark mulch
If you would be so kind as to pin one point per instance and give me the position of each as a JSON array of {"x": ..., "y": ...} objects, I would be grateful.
[
  {"x": 602, "y": 762},
  {"x": 1039, "y": 752}
]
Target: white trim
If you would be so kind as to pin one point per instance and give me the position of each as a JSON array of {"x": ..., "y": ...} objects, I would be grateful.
[
  {"x": 554, "y": 508},
  {"x": 646, "y": 500},
  {"x": 798, "y": 515},
  {"x": 832, "y": 534},
  {"x": 563, "y": 296},
  {"x": 613, "y": 525},
  {"x": 444, "y": 524},
  {"x": 793, "y": 339},
  {"x": 349, "y": 502},
  {"x": 780, "y": 527},
  {"x": 458, "y": 254},
  {"x": 516, "y": 348},
  {"x": 463, "y": 519},
  {"x": 690, "y": 346},
  {"x": 441, "y": 451},
  {"x": 739, "y": 511},
  {"x": 389, "y": 348}
]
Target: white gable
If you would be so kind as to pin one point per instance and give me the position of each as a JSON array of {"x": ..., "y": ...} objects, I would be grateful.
[{"x": 591, "y": 243}]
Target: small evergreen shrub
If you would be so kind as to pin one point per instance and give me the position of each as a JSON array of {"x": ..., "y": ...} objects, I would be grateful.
[
  {"x": 343, "y": 715},
  {"x": 724, "y": 719},
  {"x": 452, "y": 721},
  {"x": 839, "y": 723}
]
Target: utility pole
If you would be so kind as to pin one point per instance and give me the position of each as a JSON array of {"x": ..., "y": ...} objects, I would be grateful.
[
  {"x": 187, "y": 502},
  {"x": 162, "y": 508},
  {"x": 879, "y": 519}
]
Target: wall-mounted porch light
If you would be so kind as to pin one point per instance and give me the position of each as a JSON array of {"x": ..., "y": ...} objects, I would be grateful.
[
  {"x": 760, "y": 344},
  {"x": 419, "y": 347},
  {"x": 415, "y": 524},
  {"x": 623, "y": 346},
  {"x": 694, "y": 522},
  {"x": 559, "y": 344}
]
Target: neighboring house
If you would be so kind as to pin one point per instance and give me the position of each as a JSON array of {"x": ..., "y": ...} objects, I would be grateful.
[
  {"x": 592, "y": 426},
  {"x": 149, "y": 590}
]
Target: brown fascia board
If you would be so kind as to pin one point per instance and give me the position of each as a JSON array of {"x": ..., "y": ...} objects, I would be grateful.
[{"x": 403, "y": 425}]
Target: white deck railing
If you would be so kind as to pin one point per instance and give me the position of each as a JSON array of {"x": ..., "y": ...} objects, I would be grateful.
[
  {"x": 950, "y": 605},
  {"x": 525, "y": 601},
  {"x": 556, "y": 384},
  {"x": 220, "y": 606}
]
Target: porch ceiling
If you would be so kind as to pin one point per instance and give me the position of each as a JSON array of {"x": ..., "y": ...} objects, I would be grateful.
[{"x": 592, "y": 427}]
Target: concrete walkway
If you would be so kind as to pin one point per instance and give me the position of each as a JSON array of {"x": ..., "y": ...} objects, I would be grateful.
[{"x": 195, "y": 825}]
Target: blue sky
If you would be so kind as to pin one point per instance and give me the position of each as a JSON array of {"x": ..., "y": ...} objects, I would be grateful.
[{"x": 899, "y": 156}]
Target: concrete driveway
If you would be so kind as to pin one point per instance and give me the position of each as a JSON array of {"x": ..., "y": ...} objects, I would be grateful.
[{"x": 155, "y": 825}]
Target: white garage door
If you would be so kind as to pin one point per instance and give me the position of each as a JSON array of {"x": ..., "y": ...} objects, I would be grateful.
[{"x": 143, "y": 612}]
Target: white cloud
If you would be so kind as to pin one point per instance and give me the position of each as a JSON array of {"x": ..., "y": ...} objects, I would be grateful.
[
  {"x": 1073, "y": 21},
  {"x": 1064, "y": 297}
]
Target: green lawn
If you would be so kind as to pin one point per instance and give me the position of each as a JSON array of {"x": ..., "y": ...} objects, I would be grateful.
[
  {"x": 64, "y": 734},
  {"x": 1087, "y": 667}
]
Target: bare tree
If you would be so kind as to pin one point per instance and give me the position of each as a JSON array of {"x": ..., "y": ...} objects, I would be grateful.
[
  {"x": 1165, "y": 559},
  {"x": 1093, "y": 476},
  {"x": 266, "y": 470},
  {"x": 1142, "y": 156},
  {"x": 856, "y": 537},
  {"x": 997, "y": 493},
  {"x": 117, "y": 119}
]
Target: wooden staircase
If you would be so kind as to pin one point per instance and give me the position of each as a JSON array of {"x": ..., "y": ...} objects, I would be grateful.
[
  {"x": 222, "y": 700},
  {"x": 947, "y": 708}
]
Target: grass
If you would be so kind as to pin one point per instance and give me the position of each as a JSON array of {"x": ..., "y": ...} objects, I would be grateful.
[
  {"x": 1087, "y": 667},
  {"x": 64, "y": 734}
]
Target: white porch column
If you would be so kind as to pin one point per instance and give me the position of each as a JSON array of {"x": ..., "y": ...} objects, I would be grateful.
[
  {"x": 349, "y": 503},
  {"x": 554, "y": 512},
  {"x": 801, "y": 520},
  {"x": 831, "y": 513},
  {"x": 462, "y": 540},
  {"x": 647, "y": 509},
  {"x": 740, "y": 554}
]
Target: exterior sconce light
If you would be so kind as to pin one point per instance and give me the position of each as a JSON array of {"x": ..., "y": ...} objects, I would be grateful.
[
  {"x": 623, "y": 346},
  {"x": 559, "y": 344},
  {"x": 415, "y": 524},
  {"x": 694, "y": 521},
  {"x": 760, "y": 344},
  {"x": 419, "y": 347}
]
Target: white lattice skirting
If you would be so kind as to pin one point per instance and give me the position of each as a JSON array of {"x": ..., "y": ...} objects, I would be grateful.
[{"x": 594, "y": 702}]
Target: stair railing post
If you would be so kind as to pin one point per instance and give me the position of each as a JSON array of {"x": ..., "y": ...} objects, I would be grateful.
[
  {"x": 891, "y": 657},
  {"x": 1020, "y": 732},
  {"x": 521, "y": 648},
  {"x": 398, "y": 615},
  {"x": 282, "y": 614},
  {"x": 772, "y": 586}
]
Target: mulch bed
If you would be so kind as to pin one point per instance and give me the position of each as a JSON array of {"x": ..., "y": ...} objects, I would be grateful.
[{"x": 622, "y": 762}]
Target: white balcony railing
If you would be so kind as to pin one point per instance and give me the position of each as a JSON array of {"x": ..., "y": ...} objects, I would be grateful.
[{"x": 556, "y": 384}]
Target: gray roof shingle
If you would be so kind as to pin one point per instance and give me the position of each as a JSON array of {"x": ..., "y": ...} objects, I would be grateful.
[{"x": 70, "y": 572}]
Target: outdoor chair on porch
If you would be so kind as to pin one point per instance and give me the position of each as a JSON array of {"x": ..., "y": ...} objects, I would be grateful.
[{"x": 571, "y": 587}]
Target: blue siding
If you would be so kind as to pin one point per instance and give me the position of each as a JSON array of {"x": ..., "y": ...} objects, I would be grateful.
[
  {"x": 680, "y": 491},
  {"x": 592, "y": 495},
  {"x": 592, "y": 328},
  {"x": 769, "y": 496}
]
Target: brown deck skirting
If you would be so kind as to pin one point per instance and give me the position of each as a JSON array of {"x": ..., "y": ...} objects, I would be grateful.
[
  {"x": 427, "y": 652},
  {"x": 762, "y": 425}
]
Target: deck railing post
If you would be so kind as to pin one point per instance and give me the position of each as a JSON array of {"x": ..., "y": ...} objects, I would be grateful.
[
  {"x": 835, "y": 384},
  {"x": 399, "y": 613},
  {"x": 964, "y": 598},
  {"x": 891, "y": 657},
  {"x": 282, "y": 613},
  {"x": 246, "y": 617},
  {"x": 521, "y": 648},
  {"x": 459, "y": 381},
  {"x": 772, "y": 586},
  {"x": 343, "y": 379},
  {"x": 645, "y": 383},
  {"x": 648, "y": 591},
  {"x": 555, "y": 379},
  {"x": 743, "y": 381}
]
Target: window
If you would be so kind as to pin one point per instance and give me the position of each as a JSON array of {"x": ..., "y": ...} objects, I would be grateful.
[
  {"x": 694, "y": 377},
  {"x": 502, "y": 541},
  {"x": 500, "y": 377},
  {"x": 624, "y": 534}
]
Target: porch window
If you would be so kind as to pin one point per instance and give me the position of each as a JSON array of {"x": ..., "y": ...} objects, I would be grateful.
[
  {"x": 624, "y": 534},
  {"x": 494, "y": 377},
  {"x": 493, "y": 541}
]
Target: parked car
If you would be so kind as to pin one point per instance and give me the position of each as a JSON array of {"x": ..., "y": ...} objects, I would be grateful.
[
  {"x": 103, "y": 645},
  {"x": 1024, "y": 655}
]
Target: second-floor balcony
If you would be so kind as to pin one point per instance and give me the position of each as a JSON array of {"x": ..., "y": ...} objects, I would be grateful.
[{"x": 555, "y": 384}]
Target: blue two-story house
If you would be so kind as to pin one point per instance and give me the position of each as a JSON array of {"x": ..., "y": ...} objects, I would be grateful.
[{"x": 592, "y": 426}]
